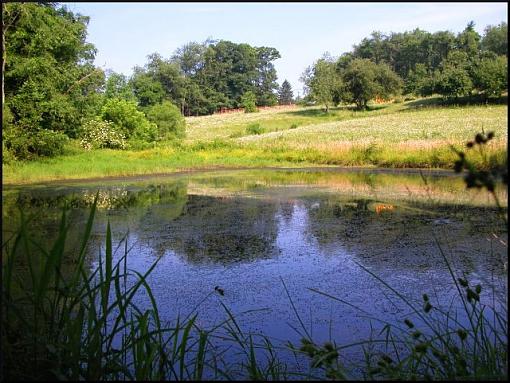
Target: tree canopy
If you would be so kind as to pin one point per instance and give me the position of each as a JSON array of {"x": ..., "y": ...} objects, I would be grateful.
[
  {"x": 426, "y": 63},
  {"x": 50, "y": 83}
]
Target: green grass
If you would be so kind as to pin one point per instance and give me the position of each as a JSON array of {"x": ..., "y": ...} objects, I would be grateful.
[{"x": 407, "y": 135}]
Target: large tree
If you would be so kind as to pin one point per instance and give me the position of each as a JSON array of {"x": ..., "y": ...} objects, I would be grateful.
[
  {"x": 364, "y": 80},
  {"x": 50, "y": 82},
  {"x": 266, "y": 85}
]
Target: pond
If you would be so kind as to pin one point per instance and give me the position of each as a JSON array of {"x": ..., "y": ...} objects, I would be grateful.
[{"x": 266, "y": 243}]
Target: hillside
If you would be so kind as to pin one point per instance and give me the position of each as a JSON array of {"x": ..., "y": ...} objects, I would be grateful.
[{"x": 394, "y": 135}]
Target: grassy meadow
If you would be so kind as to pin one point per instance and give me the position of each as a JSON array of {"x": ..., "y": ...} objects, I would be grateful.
[{"x": 398, "y": 135}]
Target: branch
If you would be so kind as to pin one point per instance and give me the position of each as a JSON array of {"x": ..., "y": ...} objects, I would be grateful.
[
  {"x": 5, "y": 27},
  {"x": 81, "y": 80}
]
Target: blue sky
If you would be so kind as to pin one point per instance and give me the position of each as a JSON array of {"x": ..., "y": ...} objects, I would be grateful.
[{"x": 125, "y": 33}]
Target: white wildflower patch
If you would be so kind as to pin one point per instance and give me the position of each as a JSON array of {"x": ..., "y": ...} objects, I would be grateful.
[{"x": 101, "y": 134}]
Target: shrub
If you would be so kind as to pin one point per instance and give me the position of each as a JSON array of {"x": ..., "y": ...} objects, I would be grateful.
[
  {"x": 49, "y": 143},
  {"x": 148, "y": 131},
  {"x": 254, "y": 129},
  {"x": 25, "y": 145},
  {"x": 293, "y": 126},
  {"x": 7, "y": 156},
  {"x": 98, "y": 134},
  {"x": 248, "y": 101},
  {"x": 169, "y": 120},
  {"x": 126, "y": 118}
]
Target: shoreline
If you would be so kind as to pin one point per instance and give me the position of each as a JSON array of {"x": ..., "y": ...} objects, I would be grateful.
[{"x": 144, "y": 176}]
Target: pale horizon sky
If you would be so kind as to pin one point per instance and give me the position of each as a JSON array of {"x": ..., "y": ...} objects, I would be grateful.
[{"x": 125, "y": 33}]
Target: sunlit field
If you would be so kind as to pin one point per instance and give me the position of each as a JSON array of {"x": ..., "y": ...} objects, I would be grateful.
[{"x": 391, "y": 135}]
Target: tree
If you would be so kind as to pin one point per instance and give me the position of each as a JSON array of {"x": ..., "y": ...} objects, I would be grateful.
[
  {"x": 491, "y": 75},
  {"x": 147, "y": 89},
  {"x": 453, "y": 79},
  {"x": 190, "y": 57},
  {"x": 419, "y": 81},
  {"x": 266, "y": 76},
  {"x": 469, "y": 40},
  {"x": 364, "y": 80},
  {"x": 50, "y": 82},
  {"x": 285, "y": 94},
  {"x": 117, "y": 86},
  {"x": 495, "y": 39},
  {"x": 159, "y": 79},
  {"x": 322, "y": 81},
  {"x": 11, "y": 14}
]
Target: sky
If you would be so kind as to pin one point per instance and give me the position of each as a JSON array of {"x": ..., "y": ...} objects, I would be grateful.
[{"x": 125, "y": 33}]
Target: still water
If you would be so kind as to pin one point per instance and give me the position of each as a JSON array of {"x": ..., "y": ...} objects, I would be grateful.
[{"x": 268, "y": 239}]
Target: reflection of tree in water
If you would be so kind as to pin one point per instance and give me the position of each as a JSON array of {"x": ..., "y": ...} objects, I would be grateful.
[
  {"x": 331, "y": 220},
  {"x": 287, "y": 210},
  {"x": 223, "y": 230},
  {"x": 124, "y": 208},
  {"x": 404, "y": 238}
]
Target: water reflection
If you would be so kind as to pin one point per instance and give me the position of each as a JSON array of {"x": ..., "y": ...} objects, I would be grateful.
[
  {"x": 238, "y": 217},
  {"x": 245, "y": 231}
]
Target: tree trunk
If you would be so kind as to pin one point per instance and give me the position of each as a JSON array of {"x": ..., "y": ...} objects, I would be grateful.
[
  {"x": 5, "y": 26},
  {"x": 4, "y": 54}
]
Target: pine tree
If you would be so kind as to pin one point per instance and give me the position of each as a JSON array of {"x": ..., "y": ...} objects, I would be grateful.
[{"x": 285, "y": 94}]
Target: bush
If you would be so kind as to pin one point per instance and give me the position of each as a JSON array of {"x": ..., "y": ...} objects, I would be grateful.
[
  {"x": 293, "y": 126},
  {"x": 169, "y": 120},
  {"x": 25, "y": 145},
  {"x": 254, "y": 129},
  {"x": 148, "y": 131},
  {"x": 248, "y": 101},
  {"x": 97, "y": 134},
  {"x": 127, "y": 119},
  {"x": 7, "y": 156}
]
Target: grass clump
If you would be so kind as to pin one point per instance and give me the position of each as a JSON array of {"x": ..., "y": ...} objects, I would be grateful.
[
  {"x": 254, "y": 128},
  {"x": 67, "y": 322}
]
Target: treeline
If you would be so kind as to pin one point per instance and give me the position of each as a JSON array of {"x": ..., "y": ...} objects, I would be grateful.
[
  {"x": 416, "y": 63},
  {"x": 52, "y": 92}
]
